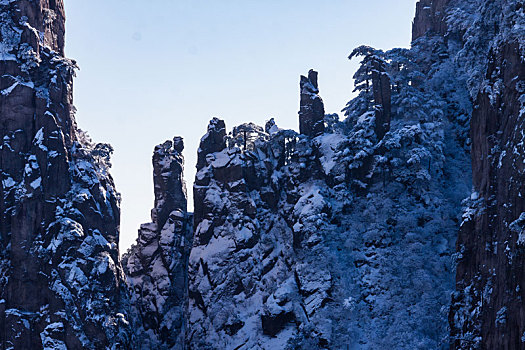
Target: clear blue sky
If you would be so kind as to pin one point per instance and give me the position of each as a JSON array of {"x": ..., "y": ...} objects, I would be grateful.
[{"x": 151, "y": 70}]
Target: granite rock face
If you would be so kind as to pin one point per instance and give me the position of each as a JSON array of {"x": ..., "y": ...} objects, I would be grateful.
[
  {"x": 61, "y": 284},
  {"x": 213, "y": 141},
  {"x": 488, "y": 310},
  {"x": 430, "y": 17},
  {"x": 311, "y": 113},
  {"x": 156, "y": 265}
]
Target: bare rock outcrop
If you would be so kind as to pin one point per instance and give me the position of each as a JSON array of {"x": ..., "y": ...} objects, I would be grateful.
[
  {"x": 156, "y": 265},
  {"x": 430, "y": 17},
  {"x": 213, "y": 141},
  {"x": 311, "y": 113}
]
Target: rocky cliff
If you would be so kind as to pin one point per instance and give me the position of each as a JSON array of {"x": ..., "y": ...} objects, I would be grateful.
[
  {"x": 344, "y": 235},
  {"x": 61, "y": 285},
  {"x": 488, "y": 310},
  {"x": 156, "y": 265},
  {"x": 430, "y": 18},
  {"x": 293, "y": 250}
]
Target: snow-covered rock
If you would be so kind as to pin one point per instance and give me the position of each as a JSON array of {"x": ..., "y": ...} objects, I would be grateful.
[
  {"x": 156, "y": 265},
  {"x": 488, "y": 310},
  {"x": 340, "y": 236},
  {"x": 61, "y": 283},
  {"x": 284, "y": 238}
]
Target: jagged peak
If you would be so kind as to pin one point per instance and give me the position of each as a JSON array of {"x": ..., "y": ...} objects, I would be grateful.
[{"x": 311, "y": 112}]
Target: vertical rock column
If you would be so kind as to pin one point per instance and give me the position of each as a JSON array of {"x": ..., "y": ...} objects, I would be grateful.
[
  {"x": 157, "y": 264},
  {"x": 311, "y": 113}
]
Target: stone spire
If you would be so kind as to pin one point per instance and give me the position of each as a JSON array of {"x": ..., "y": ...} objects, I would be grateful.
[
  {"x": 156, "y": 265},
  {"x": 311, "y": 113},
  {"x": 169, "y": 186}
]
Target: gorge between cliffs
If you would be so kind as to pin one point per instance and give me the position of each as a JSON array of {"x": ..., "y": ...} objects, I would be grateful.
[{"x": 398, "y": 225}]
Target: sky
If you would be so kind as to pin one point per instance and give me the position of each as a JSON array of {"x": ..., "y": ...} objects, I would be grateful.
[{"x": 153, "y": 70}]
